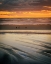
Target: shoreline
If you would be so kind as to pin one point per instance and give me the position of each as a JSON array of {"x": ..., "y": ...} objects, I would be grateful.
[{"x": 27, "y": 31}]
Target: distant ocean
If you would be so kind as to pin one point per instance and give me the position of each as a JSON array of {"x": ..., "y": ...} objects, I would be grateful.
[
  {"x": 26, "y": 25},
  {"x": 26, "y": 21}
]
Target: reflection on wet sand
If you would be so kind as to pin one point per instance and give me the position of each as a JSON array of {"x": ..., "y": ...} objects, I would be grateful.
[{"x": 34, "y": 48}]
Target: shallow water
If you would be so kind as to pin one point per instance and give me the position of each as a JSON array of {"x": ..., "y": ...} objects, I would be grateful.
[{"x": 32, "y": 46}]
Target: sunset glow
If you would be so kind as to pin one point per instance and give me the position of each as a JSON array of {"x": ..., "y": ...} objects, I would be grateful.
[
  {"x": 25, "y": 14},
  {"x": 25, "y": 8}
]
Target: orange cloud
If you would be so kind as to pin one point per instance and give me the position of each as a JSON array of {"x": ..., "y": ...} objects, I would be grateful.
[
  {"x": 47, "y": 7},
  {"x": 25, "y": 14},
  {"x": 6, "y": 12}
]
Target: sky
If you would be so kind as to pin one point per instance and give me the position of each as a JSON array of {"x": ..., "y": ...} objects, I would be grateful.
[{"x": 25, "y": 8}]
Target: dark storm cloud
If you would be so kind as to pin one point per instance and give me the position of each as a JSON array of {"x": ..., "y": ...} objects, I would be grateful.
[{"x": 23, "y": 4}]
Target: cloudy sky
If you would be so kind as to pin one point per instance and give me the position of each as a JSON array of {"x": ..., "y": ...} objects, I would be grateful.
[
  {"x": 11, "y": 7},
  {"x": 24, "y": 4}
]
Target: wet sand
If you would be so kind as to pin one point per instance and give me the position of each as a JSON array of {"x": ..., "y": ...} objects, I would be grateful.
[
  {"x": 25, "y": 48},
  {"x": 26, "y": 27}
]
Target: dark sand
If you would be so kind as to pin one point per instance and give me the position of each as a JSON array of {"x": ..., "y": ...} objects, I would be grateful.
[{"x": 26, "y": 27}]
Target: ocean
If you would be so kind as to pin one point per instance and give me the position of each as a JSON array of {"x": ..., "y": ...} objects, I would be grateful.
[
  {"x": 25, "y": 21},
  {"x": 25, "y": 24}
]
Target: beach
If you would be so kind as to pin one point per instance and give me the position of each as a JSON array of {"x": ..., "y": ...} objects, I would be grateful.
[
  {"x": 25, "y": 41},
  {"x": 27, "y": 48}
]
